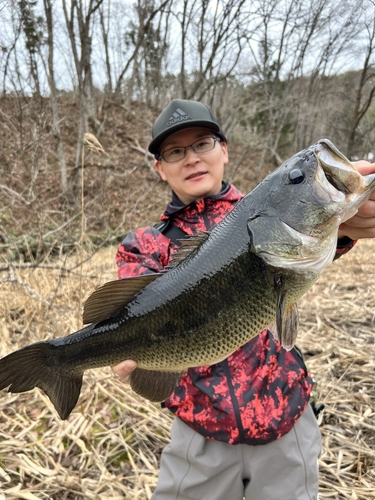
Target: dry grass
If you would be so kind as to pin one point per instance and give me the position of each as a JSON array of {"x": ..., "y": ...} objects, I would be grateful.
[
  {"x": 110, "y": 446},
  {"x": 338, "y": 335}
]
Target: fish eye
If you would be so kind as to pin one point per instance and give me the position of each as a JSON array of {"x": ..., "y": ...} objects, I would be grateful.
[{"x": 296, "y": 176}]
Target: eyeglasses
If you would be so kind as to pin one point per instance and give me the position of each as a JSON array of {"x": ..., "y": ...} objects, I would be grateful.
[{"x": 200, "y": 146}]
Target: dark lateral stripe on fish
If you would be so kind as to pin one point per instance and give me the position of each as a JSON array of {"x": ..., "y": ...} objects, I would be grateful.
[{"x": 34, "y": 366}]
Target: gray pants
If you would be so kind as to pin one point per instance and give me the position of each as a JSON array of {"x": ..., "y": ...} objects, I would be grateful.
[{"x": 195, "y": 468}]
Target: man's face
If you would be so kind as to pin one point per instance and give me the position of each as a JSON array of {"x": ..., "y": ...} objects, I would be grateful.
[{"x": 196, "y": 175}]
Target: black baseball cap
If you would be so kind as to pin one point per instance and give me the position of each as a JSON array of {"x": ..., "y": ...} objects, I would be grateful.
[{"x": 180, "y": 114}]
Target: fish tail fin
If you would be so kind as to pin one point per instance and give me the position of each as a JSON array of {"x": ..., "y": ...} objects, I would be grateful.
[{"x": 36, "y": 366}]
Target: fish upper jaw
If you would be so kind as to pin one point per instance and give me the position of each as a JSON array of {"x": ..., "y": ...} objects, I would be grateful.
[
  {"x": 338, "y": 181},
  {"x": 341, "y": 173}
]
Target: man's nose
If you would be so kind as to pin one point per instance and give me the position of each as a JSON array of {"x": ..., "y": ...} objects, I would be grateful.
[{"x": 190, "y": 154}]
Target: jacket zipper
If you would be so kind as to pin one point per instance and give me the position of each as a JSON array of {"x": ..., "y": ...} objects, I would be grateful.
[
  {"x": 235, "y": 404},
  {"x": 206, "y": 221}
]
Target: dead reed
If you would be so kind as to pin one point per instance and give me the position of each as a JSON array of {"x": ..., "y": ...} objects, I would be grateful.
[{"x": 110, "y": 446}]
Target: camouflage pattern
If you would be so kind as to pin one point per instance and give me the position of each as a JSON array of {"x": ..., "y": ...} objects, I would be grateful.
[{"x": 257, "y": 394}]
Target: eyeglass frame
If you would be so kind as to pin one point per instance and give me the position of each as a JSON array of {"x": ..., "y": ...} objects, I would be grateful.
[{"x": 185, "y": 148}]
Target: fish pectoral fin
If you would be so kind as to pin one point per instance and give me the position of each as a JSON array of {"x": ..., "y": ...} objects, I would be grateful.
[
  {"x": 109, "y": 299},
  {"x": 188, "y": 245},
  {"x": 154, "y": 385},
  {"x": 286, "y": 317},
  {"x": 35, "y": 366}
]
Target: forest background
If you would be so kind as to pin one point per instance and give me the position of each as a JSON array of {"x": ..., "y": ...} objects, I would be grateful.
[{"x": 279, "y": 75}]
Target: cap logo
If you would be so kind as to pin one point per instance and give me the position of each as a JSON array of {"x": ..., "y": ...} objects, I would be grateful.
[{"x": 178, "y": 116}]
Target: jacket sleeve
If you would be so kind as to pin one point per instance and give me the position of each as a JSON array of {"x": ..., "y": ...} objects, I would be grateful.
[{"x": 143, "y": 251}]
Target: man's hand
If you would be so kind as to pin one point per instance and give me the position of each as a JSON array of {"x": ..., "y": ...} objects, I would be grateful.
[
  {"x": 362, "y": 225},
  {"x": 124, "y": 368}
]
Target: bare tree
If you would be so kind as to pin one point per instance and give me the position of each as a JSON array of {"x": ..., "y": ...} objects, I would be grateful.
[
  {"x": 298, "y": 44},
  {"x": 365, "y": 90},
  {"x": 79, "y": 17},
  {"x": 140, "y": 35},
  {"x": 7, "y": 51},
  {"x": 147, "y": 69},
  {"x": 50, "y": 70},
  {"x": 105, "y": 26},
  {"x": 185, "y": 17},
  {"x": 212, "y": 40},
  {"x": 32, "y": 28},
  {"x": 267, "y": 67}
]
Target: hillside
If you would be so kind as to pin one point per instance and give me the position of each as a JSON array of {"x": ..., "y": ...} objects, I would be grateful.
[{"x": 121, "y": 189}]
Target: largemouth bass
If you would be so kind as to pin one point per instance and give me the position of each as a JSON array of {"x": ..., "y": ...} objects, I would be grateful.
[{"x": 223, "y": 288}]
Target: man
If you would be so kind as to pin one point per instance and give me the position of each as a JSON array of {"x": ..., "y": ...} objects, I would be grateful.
[{"x": 244, "y": 427}]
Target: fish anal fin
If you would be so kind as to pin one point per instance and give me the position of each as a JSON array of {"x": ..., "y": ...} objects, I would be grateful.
[
  {"x": 153, "y": 385},
  {"x": 63, "y": 393},
  {"x": 188, "y": 245},
  {"x": 108, "y": 299}
]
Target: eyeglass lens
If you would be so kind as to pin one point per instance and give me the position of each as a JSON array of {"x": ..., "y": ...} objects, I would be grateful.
[{"x": 201, "y": 146}]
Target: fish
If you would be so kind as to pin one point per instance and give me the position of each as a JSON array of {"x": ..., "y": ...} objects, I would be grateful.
[{"x": 223, "y": 287}]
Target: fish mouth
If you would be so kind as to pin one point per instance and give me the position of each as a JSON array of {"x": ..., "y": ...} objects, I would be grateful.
[
  {"x": 336, "y": 183},
  {"x": 341, "y": 174}
]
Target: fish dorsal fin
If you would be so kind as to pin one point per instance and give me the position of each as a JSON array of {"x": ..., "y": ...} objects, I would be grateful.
[
  {"x": 108, "y": 299},
  {"x": 188, "y": 245}
]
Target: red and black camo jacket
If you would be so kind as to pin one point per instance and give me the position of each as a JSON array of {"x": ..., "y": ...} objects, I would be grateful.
[{"x": 255, "y": 395}]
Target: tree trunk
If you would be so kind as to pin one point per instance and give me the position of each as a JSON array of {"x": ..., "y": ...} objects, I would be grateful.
[{"x": 54, "y": 103}]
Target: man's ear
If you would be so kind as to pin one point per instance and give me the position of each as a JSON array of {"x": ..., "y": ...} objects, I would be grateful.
[
  {"x": 159, "y": 168},
  {"x": 224, "y": 148}
]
